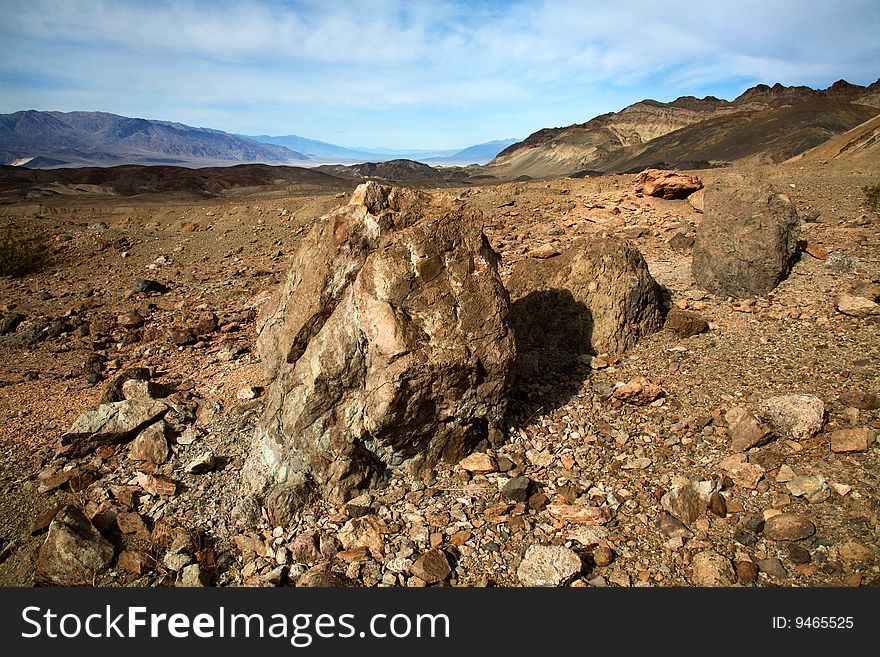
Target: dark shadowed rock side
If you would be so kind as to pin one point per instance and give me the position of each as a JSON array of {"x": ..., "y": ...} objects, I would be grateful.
[
  {"x": 389, "y": 346},
  {"x": 747, "y": 239},
  {"x": 597, "y": 297}
]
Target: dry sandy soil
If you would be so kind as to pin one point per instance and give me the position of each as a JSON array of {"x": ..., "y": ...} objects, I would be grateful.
[{"x": 567, "y": 434}]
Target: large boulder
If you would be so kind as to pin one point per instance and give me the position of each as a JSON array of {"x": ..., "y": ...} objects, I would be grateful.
[
  {"x": 389, "y": 346},
  {"x": 666, "y": 184},
  {"x": 74, "y": 552},
  {"x": 747, "y": 239},
  {"x": 597, "y": 297}
]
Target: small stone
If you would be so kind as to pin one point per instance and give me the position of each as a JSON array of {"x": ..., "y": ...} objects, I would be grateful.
[
  {"x": 517, "y": 489},
  {"x": 132, "y": 523},
  {"x": 248, "y": 392},
  {"x": 133, "y": 561},
  {"x": 841, "y": 489},
  {"x": 718, "y": 505},
  {"x": 544, "y": 251},
  {"x": 813, "y": 488},
  {"x": 772, "y": 566},
  {"x": 788, "y": 527},
  {"x": 746, "y": 475},
  {"x": 578, "y": 514},
  {"x": 201, "y": 464},
  {"x": 478, "y": 462},
  {"x": 864, "y": 401},
  {"x": 684, "y": 503},
  {"x": 684, "y": 323},
  {"x": 746, "y": 431},
  {"x": 150, "y": 445},
  {"x": 797, "y": 417},
  {"x": 671, "y": 527},
  {"x": 130, "y": 320},
  {"x": 145, "y": 285},
  {"x": 855, "y": 306},
  {"x": 140, "y": 389},
  {"x": 853, "y": 551},
  {"x": 192, "y": 576},
  {"x": 157, "y": 485},
  {"x": 587, "y": 535},
  {"x": 639, "y": 391},
  {"x": 367, "y": 531},
  {"x": 851, "y": 440},
  {"x": 603, "y": 555},
  {"x": 177, "y": 561},
  {"x": 785, "y": 474},
  {"x": 548, "y": 565},
  {"x": 798, "y": 554},
  {"x": 746, "y": 572},
  {"x": 432, "y": 567},
  {"x": 42, "y": 521},
  {"x": 712, "y": 569}
]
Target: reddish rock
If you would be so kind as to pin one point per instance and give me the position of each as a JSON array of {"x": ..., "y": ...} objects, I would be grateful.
[{"x": 666, "y": 184}]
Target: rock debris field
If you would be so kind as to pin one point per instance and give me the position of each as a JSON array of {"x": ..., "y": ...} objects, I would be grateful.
[{"x": 596, "y": 382}]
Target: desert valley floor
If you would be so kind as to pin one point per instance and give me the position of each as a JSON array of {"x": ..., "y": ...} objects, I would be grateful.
[{"x": 569, "y": 435}]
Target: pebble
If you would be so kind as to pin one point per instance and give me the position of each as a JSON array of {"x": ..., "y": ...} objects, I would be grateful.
[
  {"x": 709, "y": 568},
  {"x": 772, "y": 566},
  {"x": 202, "y": 464},
  {"x": 798, "y": 554},
  {"x": 797, "y": 417},
  {"x": 812, "y": 488},
  {"x": 431, "y": 567},
  {"x": 603, "y": 555},
  {"x": 548, "y": 565},
  {"x": 684, "y": 503},
  {"x": 851, "y": 440},
  {"x": 788, "y": 527},
  {"x": 478, "y": 462},
  {"x": 517, "y": 489},
  {"x": 746, "y": 572}
]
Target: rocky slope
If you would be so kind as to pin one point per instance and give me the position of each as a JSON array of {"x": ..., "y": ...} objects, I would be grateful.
[
  {"x": 629, "y": 139},
  {"x": 51, "y": 139},
  {"x": 670, "y": 464}
]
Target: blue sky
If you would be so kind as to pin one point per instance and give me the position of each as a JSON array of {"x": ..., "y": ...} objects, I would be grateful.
[{"x": 414, "y": 74}]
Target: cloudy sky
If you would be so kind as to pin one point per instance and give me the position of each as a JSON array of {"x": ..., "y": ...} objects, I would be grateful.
[{"x": 411, "y": 73}]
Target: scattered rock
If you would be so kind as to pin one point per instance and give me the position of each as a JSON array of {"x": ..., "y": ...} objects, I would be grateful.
[
  {"x": 248, "y": 392},
  {"x": 797, "y": 417},
  {"x": 746, "y": 431},
  {"x": 517, "y": 489},
  {"x": 639, "y": 391},
  {"x": 746, "y": 572},
  {"x": 854, "y": 306},
  {"x": 864, "y": 401},
  {"x": 772, "y": 566},
  {"x": 747, "y": 239},
  {"x": 74, "y": 552},
  {"x": 798, "y": 554},
  {"x": 685, "y": 323},
  {"x": 111, "y": 423},
  {"x": 156, "y": 484},
  {"x": 364, "y": 532},
  {"x": 854, "y": 551},
  {"x": 684, "y": 503},
  {"x": 432, "y": 567},
  {"x": 133, "y": 561},
  {"x": 813, "y": 488},
  {"x": 603, "y": 555},
  {"x": 201, "y": 464},
  {"x": 478, "y": 462},
  {"x": 698, "y": 200},
  {"x": 851, "y": 440},
  {"x": 10, "y": 322},
  {"x": 788, "y": 527},
  {"x": 192, "y": 576},
  {"x": 743, "y": 474},
  {"x": 544, "y": 251},
  {"x": 587, "y": 535},
  {"x": 150, "y": 445},
  {"x": 145, "y": 285},
  {"x": 709, "y": 568},
  {"x": 548, "y": 565},
  {"x": 578, "y": 514},
  {"x": 666, "y": 184}
]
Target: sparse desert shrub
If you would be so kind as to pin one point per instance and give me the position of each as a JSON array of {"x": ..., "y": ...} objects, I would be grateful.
[
  {"x": 20, "y": 253},
  {"x": 872, "y": 197}
]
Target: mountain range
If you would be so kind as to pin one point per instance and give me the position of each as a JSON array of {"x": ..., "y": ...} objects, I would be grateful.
[
  {"x": 324, "y": 152},
  {"x": 763, "y": 125}
]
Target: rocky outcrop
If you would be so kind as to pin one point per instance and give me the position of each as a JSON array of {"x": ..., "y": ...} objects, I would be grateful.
[
  {"x": 388, "y": 347},
  {"x": 666, "y": 184},
  {"x": 747, "y": 239},
  {"x": 596, "y": 297}
]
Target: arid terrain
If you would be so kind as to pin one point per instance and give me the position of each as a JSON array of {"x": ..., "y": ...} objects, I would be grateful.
[{"x": 572, "y": 443}]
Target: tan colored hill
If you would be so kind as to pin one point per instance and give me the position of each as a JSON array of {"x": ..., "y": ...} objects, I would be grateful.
[
  {"x": 861, "y": 142},
  {"x": 768, "y": 124}
]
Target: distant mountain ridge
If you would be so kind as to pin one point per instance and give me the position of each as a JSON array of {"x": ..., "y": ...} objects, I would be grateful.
[
  {"x": 326, "y": 152},
  {"x": 761, "y": 124},
  {"x": 51, "y": 139}
]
